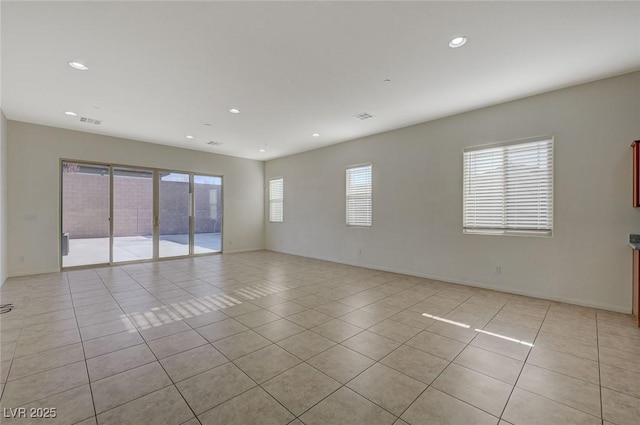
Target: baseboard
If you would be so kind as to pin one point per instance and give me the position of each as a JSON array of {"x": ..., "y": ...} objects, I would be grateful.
[
  {"x": 33, "y": 273},
  {"x": 568, "y": 300},
  {"x": 238, "y": 251}
]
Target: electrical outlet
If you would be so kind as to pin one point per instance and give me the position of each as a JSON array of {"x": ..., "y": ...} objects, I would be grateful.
[
  {"x": 21, "y": 259},
  {"x": 359, "y": 252},
  {"x": 498, "y": 270}
]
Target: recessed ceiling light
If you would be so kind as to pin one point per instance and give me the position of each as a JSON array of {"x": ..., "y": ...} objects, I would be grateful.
[
  {"x": 71, "y": 114},
  {"x": 79, "y": 66},
  {"x": 189, "y": 137},
  {"x": 262, "y": 150},
  {"x": 386, "y": 80},
  {"x": 458, "y": 42},
  {"x": 207, "y": 124},
  {"x": 234, "y": 111},
  {"x": 315, "y": 135}
]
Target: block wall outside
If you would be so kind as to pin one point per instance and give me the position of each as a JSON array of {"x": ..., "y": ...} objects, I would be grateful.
[{"x": 86, "y": 206}]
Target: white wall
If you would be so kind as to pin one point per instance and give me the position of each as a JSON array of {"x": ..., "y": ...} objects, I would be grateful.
[
  {"x": 417, "y": 198},
  {"x": 3, "y": 198},
  {"x": 34, "y": 153}
]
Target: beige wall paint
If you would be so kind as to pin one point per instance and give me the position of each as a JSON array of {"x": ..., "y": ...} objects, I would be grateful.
[
  {"x": 417, "y": 198},
  {"x": 3, "y": 198},
  {"x": 34, "y": 153}
]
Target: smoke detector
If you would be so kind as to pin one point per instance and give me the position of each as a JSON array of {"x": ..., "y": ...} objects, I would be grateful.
[
  {"x": 90, "y": 120},
  {"x": 363, "y": 116}
]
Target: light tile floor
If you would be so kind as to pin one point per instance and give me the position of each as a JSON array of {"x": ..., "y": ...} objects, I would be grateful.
[{"x": 266, "y": 338}]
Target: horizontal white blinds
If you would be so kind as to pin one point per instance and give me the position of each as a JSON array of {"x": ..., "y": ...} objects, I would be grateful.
[
  {"x": 359, "y": 196},
  {"x": 509, "y": 187},
  {"x": 276, "y": 200}
]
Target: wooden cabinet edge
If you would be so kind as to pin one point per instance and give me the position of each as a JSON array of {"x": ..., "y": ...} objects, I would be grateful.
[{"x": 636, "y": 173}]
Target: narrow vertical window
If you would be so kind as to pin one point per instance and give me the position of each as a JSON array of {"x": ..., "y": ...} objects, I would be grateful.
[
  {"x": 276, "y": 200},
  {"x": 359, "y": 201}
]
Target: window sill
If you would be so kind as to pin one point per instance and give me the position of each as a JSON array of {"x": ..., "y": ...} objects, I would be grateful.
[{"x": 490, "y": 232}]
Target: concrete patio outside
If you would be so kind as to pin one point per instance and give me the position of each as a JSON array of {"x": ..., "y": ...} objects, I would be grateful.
[{"x": 86, "y": 251}]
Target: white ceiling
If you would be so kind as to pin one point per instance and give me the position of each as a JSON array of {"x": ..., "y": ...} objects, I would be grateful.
[{"x": 161, "y": 70}]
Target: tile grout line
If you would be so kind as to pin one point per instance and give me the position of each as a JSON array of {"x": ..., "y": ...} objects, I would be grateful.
[
  {"x": 309, "y": 329},
  {"x": 173, "y": 383},
  {"x": 84, "y": 355},
  {"x": 260, "y": 384},
  {"x": 146, "y": 342},
  {"x": 560, "y": 373},
  {"x": 305, "y": 362},
  {"x": 524, "y": 362},
  {"x": 450, "y": 363},
  {"x": 13, "y": 357},
  {"x": 166, "y": 302},
  {"x": 210, "y": 343},
  {"x": 88, "y": 376},
  {"x": 58, "y": 367},
  {"x": 375, "y": 362},
  {"x": 599, "y": 372},
  {"x": 229, "y": 361}
]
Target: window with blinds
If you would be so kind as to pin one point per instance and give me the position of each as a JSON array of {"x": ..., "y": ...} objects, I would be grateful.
[
  {"x": 276, "y": 200},
  {"x": 359, "y": 196},
  {"x": 508, "y": 188}
]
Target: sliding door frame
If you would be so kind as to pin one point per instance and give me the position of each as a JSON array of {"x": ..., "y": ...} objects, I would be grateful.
[
  {"x": 156, "y": 213},
  {"x": 61, "y": 213}
]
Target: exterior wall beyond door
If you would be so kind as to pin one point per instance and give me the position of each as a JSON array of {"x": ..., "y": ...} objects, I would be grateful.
[{"x": 85, "y": 204}]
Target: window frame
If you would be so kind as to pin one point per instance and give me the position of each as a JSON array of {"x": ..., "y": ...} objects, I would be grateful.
[
  {"x": 348, "y": 197},
  {"x": 505, "y": 231},
  {"x": 274, "y": 200}
]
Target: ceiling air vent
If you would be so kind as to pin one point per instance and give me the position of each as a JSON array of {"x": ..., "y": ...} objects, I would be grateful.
[
  {"x": 90, "y": 120},
  {"x": 212, "y": 143},
  {"x": 363, "y": 116}
]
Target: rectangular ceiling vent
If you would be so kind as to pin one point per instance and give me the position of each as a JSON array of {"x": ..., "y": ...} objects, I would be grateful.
[
  {"x": 212, "y": 143},
  {"x": 90, "y": 120},
  {"x": 363, "y": 116}
]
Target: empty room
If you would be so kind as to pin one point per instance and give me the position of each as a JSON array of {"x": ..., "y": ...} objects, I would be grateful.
[{"x": 320, "y": 213}]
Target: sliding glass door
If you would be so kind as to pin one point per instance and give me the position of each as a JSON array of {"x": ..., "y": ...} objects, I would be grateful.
[
  {"x": 207, "y": 193},
  {"x": 132, "y": 214},
  {"x": 116, "y": 214},
  {"x": 174, "y": 199},
  {"x": 85, "y": 214}
]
